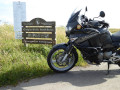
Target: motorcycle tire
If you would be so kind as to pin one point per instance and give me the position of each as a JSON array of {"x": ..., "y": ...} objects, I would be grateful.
[{"x": 63, "y": 47}]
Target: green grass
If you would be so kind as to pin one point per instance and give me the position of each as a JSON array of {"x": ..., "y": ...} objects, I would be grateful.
[
  {"x": 19, "y": 63},
  {"x": 114, "y": 30}
]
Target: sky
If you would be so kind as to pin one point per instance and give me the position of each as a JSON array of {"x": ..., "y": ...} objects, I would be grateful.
[{"x": 60, "y": 10}]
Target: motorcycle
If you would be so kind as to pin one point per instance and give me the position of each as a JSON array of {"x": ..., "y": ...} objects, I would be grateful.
[{"x": 92, "y": 37}]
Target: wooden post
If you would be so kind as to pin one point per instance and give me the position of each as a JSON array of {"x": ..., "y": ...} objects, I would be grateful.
[
  {"x": 54, "y": 38},
  {"x": 24, "y": 38}
]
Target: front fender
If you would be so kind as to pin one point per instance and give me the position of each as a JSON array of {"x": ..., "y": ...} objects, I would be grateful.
[{"x": 60, "y": 45}]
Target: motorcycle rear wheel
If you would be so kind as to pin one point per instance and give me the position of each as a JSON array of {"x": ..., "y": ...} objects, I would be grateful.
[{"x": 56, "y": 55}]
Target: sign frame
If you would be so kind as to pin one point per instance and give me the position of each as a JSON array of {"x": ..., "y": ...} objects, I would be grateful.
[{"x": 38, "y": 31}]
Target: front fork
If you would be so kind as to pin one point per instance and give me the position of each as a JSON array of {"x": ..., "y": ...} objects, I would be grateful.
[{"x": 67, "y": 51}]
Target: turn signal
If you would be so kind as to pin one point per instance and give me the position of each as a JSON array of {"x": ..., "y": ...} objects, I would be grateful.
[{"x": 79, "y": 26}]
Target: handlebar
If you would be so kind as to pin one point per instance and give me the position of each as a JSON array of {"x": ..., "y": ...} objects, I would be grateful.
[
  {"x": 93, "y": 22},
  {"x": 104, "y": 23}
]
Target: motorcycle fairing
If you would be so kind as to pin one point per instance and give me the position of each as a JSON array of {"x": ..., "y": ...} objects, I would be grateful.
[
  {"x": 84, "y": 34},
  {"x": 116, "y": 37},
  {"x": 72, "y": 22}
]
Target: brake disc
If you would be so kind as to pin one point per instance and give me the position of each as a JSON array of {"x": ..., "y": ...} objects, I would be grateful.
[{"x": 59, "y": 58}]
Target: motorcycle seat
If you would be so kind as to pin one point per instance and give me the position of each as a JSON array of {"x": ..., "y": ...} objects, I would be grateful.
[{"x": 116, "y": 37}]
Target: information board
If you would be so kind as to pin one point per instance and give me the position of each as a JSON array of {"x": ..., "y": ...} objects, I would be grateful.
[{"x": 38, "y": 31}]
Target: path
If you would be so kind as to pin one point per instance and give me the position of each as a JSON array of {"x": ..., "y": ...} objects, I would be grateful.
[{"x": 79, "y": 78}]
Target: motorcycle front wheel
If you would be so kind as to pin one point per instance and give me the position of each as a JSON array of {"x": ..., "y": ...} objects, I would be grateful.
[{"x": 56, "y": 56}]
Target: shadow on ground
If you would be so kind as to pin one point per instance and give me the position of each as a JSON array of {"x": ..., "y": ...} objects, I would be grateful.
[{"x": 76, "y": 78}]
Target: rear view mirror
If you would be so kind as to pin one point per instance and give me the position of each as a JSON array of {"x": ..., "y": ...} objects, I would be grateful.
[
  {"x": 86, "y": 9},
  {"x": 102, "y": 14}
]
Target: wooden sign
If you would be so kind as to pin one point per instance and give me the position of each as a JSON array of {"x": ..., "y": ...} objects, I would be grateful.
[
  {"x": 38, "y": 31},
  {"x": 38, "y": 35}
]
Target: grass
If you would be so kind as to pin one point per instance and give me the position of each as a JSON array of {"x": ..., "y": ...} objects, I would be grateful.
[
  {"x": 19, "y": 63},
  {"x": 114, "y": 30}
]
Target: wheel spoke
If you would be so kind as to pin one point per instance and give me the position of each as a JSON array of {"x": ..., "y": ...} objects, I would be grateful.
[{"x": 53, "y": 61}]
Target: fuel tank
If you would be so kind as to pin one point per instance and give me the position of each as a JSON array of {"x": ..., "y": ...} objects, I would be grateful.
[
  {"x": 90, "y": 37},
  {"x": 102, "y": 40},
  {"x": 83, "y": 34}
]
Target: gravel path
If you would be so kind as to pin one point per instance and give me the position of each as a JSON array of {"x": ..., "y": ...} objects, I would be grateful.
[{"x": 79, "y": 78}]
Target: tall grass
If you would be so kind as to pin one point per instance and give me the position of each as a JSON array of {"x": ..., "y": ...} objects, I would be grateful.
[
  {"x": 114, "y": 30},
  {"x": 18, "y": 63},
  {"x": 61, "y": 36}
]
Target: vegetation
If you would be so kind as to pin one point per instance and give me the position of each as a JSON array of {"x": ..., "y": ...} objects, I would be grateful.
[
  {"x": 19, "y": 63},
  {"x": 114, "y": 30}
]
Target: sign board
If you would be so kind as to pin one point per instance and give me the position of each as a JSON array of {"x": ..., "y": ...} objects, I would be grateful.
[
  {"x": 38, "y": 31},
  {"x": 19, "y": 13}
]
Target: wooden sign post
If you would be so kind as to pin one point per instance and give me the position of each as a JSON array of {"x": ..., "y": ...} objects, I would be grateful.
[{"x": 38, "y": 31}]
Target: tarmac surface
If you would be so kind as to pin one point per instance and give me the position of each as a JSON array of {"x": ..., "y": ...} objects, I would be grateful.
[{"x": 79, "y": 78}]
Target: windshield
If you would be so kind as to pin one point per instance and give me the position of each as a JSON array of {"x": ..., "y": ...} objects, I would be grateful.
[
  {"x": 74, "y": 16},
  {"x": 74, "y": 19}
]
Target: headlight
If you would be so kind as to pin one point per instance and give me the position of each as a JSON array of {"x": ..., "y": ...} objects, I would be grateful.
[{"x": 79, "y": 27}]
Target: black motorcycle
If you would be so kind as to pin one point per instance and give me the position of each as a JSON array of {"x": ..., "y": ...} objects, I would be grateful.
[{"x": 91, "y": 37}]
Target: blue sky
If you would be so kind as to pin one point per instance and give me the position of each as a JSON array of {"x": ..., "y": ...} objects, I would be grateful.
[
  {"x": 60, "y": 10},
  {"x": 6, "y": 12}
]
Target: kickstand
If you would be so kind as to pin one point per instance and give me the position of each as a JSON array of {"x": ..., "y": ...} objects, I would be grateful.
[{"x": 108, "y": 71}]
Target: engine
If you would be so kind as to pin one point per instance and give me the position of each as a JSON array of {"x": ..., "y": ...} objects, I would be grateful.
[
  {"x": 98, "y": 48},
  {"x": 105, "y": 55},
  {"x": 95, "y": 55}
]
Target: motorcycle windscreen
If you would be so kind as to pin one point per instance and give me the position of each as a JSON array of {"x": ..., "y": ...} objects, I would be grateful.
[
  {"x": 74, "y": 17},
  {"x": 73, "y": 21}
]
